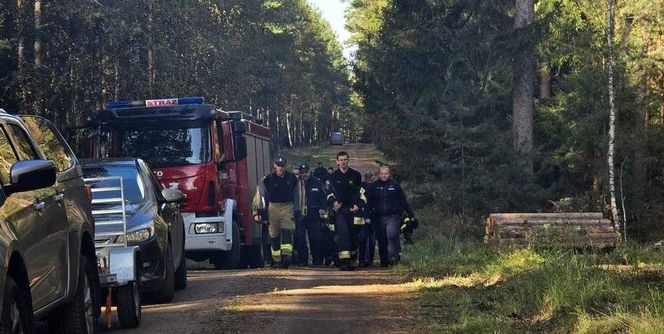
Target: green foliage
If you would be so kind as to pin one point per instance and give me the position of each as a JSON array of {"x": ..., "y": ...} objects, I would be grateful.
[
  {"x": 434, "y": 78},
  {"x": 275, "y": 59},
  {"x": 470, "y": 288}
]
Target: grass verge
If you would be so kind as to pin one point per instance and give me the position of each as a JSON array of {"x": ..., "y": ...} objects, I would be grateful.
[{"x": 466, "y": 287}]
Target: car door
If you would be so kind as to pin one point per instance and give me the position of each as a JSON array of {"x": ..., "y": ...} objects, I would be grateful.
[
  {"x": 170, "y": 212},
  {"x": 70, "y": 187},
  {"x": 38, "y": 218}
]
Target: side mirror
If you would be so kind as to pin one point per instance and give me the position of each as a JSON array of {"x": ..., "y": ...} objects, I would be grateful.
[
  {"x": 31, "y": 175},
  {"x": 172, "y": 195}
]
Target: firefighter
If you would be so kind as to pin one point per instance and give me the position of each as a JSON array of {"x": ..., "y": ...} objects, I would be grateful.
[
  {"x": 321, "y": 173},
  {"x": 387, "y": 202},
  {"x": 281, "y": 191},
  {"x": 367, "y": 237},
  {"x": 347, "y": 201},
  {"x": 313, "y": 203}
]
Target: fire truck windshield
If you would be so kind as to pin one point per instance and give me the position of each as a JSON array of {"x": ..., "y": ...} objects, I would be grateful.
[{"x": 164, "y": 147}]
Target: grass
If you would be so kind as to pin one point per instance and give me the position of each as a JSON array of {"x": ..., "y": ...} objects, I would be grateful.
[{"x": 466, "y": 287}]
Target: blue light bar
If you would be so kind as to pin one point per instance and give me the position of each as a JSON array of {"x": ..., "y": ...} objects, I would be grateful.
[{"x": 155, "y": 103}]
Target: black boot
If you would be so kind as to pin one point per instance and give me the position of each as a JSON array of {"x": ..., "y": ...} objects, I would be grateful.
[{"x": 346, "y": 266}]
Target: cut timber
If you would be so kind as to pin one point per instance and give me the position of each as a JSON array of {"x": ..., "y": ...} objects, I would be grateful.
[{"x": 575, "y": 230}]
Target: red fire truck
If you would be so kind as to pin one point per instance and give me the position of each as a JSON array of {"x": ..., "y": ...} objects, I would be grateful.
[{"x": 215, "y": 157}]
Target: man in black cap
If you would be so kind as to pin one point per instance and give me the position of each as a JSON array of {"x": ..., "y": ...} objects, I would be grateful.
[
  {"x": 281, "y": 191},
  {"x": 313, "y": 200}
]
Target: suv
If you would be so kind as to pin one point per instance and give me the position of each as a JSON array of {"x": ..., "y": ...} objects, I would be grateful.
[{"x": 47, "y": 264}]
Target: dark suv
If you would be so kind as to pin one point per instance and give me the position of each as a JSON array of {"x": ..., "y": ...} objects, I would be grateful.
[{"x": 47, "y": 252}]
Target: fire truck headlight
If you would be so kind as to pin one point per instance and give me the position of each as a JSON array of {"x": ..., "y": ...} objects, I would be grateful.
[{"x": 205, "y": 228}]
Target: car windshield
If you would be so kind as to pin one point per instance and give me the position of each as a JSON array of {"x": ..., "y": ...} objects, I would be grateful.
[
  {"x": 134, "y": 188},
  {"x": 162, "y": 147}
]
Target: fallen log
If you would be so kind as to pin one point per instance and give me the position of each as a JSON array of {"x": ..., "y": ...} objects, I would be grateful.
[{"x": 577, "y": 229}]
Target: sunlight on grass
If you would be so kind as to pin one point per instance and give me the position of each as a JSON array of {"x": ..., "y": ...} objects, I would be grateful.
[{"x": 475, "y": 289}]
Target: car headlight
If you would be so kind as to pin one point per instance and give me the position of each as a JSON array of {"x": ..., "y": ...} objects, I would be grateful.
[
  {"x": 141, "y": 234},
  {"x": 205, "y": 228}
]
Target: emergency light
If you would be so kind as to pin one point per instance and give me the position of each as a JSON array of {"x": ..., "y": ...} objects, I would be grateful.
[{"x": 155, "y": 103}]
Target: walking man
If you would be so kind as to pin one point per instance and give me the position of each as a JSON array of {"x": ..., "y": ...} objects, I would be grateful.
[
  {"x": 347, "y": 201},
  {"x": 387, "y": 202},
  {"x": 313, "y": 200},
  {"x": 281, "y": 190}
]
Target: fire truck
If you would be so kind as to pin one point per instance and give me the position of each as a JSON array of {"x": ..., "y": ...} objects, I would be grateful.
[{"x": 215, "y": 157}]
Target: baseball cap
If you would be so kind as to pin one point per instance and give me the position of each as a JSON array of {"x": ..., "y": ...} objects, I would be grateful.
[
  {"x": 304, "y": 168},
  {"x": 280, "y": 161}
]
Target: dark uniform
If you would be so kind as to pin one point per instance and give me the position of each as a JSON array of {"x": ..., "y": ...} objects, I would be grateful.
[
  {"x": 387, "y": 203},
  {"x": 367, "y": 238},
  {"x": 346, "y": 189},
  {"x": 313, "y": 198},
  {"x": 281, "y": 193}
]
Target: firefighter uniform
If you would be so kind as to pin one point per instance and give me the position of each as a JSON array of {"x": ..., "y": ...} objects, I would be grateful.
[
  {"x": 367, "y": 238},
  {"x": 282, "y": 193},
  {"x": 387, "y": 203},
  {"x": 313, "y": 199},
  {"x": 259, "y": 209},
  {"x": 346, "y": 190}
]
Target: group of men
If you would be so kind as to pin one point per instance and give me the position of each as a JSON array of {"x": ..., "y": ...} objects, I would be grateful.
[{"x": 340, "y": 215}]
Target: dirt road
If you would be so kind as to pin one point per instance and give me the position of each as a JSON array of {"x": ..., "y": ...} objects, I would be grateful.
[
  {"x": 290, "y": 301},
  {"x": 285, "y": 301}
]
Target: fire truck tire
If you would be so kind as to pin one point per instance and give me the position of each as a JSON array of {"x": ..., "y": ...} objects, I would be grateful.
[
  {"x": 165, "y": 295},
  {"x": 230, "y": 259},
  {"x": 254, "y": 256},
  {"x": 128, "y": 300}
]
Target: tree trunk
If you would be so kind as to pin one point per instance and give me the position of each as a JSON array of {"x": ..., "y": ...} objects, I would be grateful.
[
  {"x": 545, "y": 84},
  {"x": 38, "y": 12},
  {"x": 152, "y": 71},
  {"x": 523, "y": 89},
  {"x": 612, "y": 118},
  {"x": 20, "y": 53}
]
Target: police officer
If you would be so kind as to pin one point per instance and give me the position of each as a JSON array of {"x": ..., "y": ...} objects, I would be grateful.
[
  {"x": 347, "y": 202},
  {"x": 280, "y": 189},
  {"x": 387, "y": 202},
  {"x": 313, "y": 200}
]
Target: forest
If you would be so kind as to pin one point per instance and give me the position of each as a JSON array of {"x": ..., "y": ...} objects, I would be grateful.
[
  {"x": 432, "y": 83},
  {"x": 278, "y": 60},
  {"x": 438, "y": 84}
]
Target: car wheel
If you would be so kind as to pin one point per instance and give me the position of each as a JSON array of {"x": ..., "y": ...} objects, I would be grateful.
[
  {"x": 167, "y": 291},
  {"x": 128, "y": 300},
  {"x": 181, "y": 273},
  {"x": 79, "y": 315},
  {"x": 17, "y": 314},
  {"x": 230, "y": 259}
]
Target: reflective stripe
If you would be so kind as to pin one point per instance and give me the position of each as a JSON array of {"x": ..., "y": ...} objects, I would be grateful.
[
  {"x": 276, "y": 255},
  {"x": 363, "y": 197},
  {"x": 358, "y": 221},
  {"x": 330, "y": 196},
  {"x": 287, "y": 249},
  {"x": 344, "y": 255},
  {"x": 330, "y": 227}
]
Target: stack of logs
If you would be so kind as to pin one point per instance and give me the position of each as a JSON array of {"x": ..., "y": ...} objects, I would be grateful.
[{"x": 575, "y": 230}]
